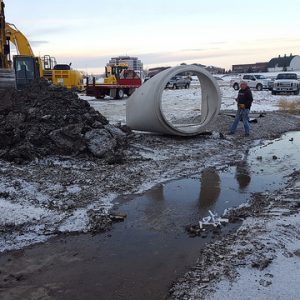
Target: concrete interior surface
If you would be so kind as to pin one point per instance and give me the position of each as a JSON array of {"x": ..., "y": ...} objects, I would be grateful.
[{"x": 144, "y": 107}]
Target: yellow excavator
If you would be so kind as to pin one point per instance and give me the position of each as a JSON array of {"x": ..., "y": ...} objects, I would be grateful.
[
  {"x": 7, "y": 74},
  {"x": 25, "y": 67}
]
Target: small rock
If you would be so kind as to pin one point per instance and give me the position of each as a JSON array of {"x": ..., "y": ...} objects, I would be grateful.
[
  {"x": 297, "y": 252},
  {"x": 193, "y": 230},
  {"x": 117, "y": 216},
  {"x": 265, "y": 283},
  {"x": 261, "y": 263}
]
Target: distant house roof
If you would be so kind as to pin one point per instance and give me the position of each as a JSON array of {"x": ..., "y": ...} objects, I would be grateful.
[
  {"x": 281, "y": 61},
  {"x": 154, "y": 71}
]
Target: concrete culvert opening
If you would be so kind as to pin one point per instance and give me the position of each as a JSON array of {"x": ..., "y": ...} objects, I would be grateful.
[
  {"x": 160, "y": 105},
  {"x": 181, "y": 102}
]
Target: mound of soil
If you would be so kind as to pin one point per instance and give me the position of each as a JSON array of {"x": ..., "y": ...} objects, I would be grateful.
[{"x": 45, "y": 120}]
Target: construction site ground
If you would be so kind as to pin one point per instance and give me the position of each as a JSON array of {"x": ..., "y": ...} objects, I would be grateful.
[{"x": 60, "y": 238}]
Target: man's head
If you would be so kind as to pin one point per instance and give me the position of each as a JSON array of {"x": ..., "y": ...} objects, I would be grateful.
[{"x": 243, "y": 85}]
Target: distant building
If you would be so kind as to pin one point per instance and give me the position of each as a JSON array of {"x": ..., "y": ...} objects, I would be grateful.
[
  {"x": 211, "y": 69},
  {"x": 215, "y": 70},
  {"x": 250, "y": 68},
  {"x": 154, "y": 71},
  {"x": 133, "y": 62},
  {"x": 284, "y": 63},
  {"x": 199, "y": 65}
]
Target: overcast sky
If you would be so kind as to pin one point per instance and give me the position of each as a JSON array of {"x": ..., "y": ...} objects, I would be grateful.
[{"x": 159, "y": 32}]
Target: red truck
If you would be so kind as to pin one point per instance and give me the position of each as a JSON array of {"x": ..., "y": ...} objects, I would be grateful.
[{"x": 118, "y": 81}]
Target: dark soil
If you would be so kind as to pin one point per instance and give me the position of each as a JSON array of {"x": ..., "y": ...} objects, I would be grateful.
[{"x": 44, "y": 120}]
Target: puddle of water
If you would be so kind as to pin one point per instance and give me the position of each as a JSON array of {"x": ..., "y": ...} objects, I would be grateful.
[
  {"x": 171, "y": 206},
  {"x": 156, "y": 219},
  {"x": 140, "y": 257}
]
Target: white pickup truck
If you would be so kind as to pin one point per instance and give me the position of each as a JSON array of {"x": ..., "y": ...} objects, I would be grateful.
[
  {"x": 256, "y": 81},
  {"x": 286, "y": 83}
]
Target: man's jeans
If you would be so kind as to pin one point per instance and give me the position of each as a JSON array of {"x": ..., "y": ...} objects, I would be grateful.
[{"x": 241, "y": 114}]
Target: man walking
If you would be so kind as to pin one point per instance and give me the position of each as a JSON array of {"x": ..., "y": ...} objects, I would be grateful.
[{"x": 244, "y": 101}]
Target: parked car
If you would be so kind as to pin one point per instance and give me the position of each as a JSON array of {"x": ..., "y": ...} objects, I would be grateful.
[
  {"x": 256, "y": 81},
  {"x": 286, "y": 83},
  {"x": 177, "y": 82},
  {"x": 147, "y": 78}
]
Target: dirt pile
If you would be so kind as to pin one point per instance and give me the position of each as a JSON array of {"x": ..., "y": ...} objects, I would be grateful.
[{"x": 44, "y": 120}]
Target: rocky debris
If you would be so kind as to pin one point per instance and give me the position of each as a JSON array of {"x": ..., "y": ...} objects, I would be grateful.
[
  {"x": 265, "y": 283},
  {"x": 100, "y": 221},
  {"x": 193, "y": 230},
  {"x": 117, "y": 216},
  {"x": 261, "y": 263},
  {"x": 297, "y": 252},
  {"x": 211, "y": 223},
  {"x": 45, "y": 120}
]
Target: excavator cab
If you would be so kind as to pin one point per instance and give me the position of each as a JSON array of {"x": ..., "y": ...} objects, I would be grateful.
[
  {"x": 113, "y": 73},
  {"x": 26, "y": 70}
]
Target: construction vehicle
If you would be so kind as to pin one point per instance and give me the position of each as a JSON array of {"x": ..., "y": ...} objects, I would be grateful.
[
  {"x": 7, "y": 74},
  {"x": 118, "y": 81},
  {"x": 61, "y": 74},
  {"x": 25, "y": 67}
]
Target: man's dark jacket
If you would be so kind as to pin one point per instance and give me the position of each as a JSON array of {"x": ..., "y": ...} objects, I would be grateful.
[{"x": 245, "y": 97}]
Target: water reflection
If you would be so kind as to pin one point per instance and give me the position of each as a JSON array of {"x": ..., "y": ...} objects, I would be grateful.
[
  {"x": 210, "y": 188},
  {"x": 157, "y": 210},
  {"x": 242, "y": 174},
  {"x": 156, "y": 193},
  {"x": 174, "y": 204}
]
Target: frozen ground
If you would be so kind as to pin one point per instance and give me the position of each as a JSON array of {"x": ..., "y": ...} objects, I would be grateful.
[
  {"x": 59, "y": 195},
  {"x": 186, "y": 103}
]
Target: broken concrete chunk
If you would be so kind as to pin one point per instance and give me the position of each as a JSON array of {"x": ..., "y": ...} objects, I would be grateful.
[
  {"x": 115, "y": 131},
  {"x": 117, "y": 216},
  {"x": 100, "y": 142},
  {"x": 69, "y": 138}
]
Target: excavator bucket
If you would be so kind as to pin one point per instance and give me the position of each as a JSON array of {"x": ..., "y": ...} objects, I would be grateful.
[{"x": 7, "y": 79}]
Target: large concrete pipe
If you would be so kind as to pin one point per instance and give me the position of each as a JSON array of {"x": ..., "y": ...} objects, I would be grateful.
[{"x": 144, "y": 107}]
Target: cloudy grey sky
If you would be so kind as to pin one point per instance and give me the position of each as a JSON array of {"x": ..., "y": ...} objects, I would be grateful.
[{"x": 159, "y": 32}]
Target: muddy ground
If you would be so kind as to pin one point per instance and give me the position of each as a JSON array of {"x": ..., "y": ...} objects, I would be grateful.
[
  {"x": 65, "y": 186},
  {"x": 259, "y": 261}
]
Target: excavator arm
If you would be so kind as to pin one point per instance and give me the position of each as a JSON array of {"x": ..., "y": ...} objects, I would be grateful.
[
  {"x": 25, "y": 66},
  {"x": 25, "y": 55},
  {"x": 18, "y": 39},
  {"x": 7, "y": 75},
  {"x": 3, "y": 62}
]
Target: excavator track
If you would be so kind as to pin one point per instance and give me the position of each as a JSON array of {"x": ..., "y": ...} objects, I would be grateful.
[{"x": 7, "y": 79}]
